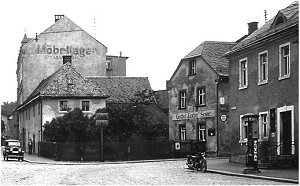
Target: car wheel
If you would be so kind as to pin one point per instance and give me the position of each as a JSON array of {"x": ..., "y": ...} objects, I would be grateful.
[
  {"x": 22, "y": 159},
  {"x": 203, "y": 166}
]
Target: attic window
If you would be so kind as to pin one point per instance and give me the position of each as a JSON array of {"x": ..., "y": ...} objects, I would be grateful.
[
  {"x": 279, "y": 20},
  {"x": 67, "y": 59}
]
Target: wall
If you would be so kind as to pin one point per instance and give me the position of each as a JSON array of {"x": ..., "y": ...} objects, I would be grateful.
[
  {"x": 181, "y": 80},
  {"x": 118, "y": 66},
  {"x": 43, "y": 57},
  {"x": 258, "y": 98}
]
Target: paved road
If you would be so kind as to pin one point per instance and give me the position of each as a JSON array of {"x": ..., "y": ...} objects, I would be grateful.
[{"x": 152, "y": 173}]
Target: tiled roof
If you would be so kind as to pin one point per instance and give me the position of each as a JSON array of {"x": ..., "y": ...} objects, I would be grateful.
[
  {"x": 291, "y": 15},
  {"x": 66, "y": 82},
  {"x": 121, "y": 89},
  {"x": 212, "y": 52}
]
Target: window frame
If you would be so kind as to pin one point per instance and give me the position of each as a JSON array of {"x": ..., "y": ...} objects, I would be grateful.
[
  {"x": 59, "y": 107},
  {"x": 243, "y": 134},
  {"x": 180, "y": 106},
  {"x": 261, "y": 125},
  {"x": 199, "y": 130},
  {"x": 81, "y": 105},
  {"x": 284, "y": 76},
  {"x": 242, "y": 86},
  {"x": 192, "y": 67},
  {"x": 260, "y": 69},
  {"x": 181, "y": 131},
  {"x": 203, "y": 95}
]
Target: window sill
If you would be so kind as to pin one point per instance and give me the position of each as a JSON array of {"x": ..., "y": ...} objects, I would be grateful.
[
  {"x": 183, "y": 108},
  {"x": 284, "y": 77},
  {"x": 243, "y": 141},
  {"x": 191, "y": 74},
  {"x": 263, "y": 82},
  {"x": 201, "y": 105},
  {"x": 62, "y": 112},
  {"x": 241, "y": 88}
]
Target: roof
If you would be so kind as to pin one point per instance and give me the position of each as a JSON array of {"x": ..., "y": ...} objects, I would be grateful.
[
  {"x": 291, "y": 18},
  {"x": 66, "y": 82},
  {"x": 212, "y": 52},
  {"x": 121, "y": 89}
]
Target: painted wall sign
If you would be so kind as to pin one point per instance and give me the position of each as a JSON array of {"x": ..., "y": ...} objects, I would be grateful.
[
  {"x": 66, "y": 50},
  {"x": 193, "y": 115}
]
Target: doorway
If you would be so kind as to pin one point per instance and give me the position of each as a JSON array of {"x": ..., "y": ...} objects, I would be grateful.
[{"x": 286, "y": 133}]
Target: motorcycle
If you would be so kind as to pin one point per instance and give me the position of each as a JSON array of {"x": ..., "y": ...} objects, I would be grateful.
[{"x": 197, "y": 162}]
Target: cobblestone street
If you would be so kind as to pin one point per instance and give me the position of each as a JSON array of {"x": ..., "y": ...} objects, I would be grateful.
[{"x": 151, "y": 173}]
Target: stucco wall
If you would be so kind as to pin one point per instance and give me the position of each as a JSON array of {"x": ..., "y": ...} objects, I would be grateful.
[
  {"x": 259, "y": 98},
  {"x": 205, "y": 76},
  {"x": 43, "y": 57}
]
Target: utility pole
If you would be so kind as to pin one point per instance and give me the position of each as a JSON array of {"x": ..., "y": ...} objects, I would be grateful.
[{"x": 266, "y": 19}]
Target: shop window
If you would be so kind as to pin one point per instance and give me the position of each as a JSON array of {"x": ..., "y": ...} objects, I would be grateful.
[
  {"x": 263, "y": 67},
  {"x": 192, "y": 67},
  {"x": 243, "y": 73},
  {"x": 284, "y": 61},
  {"x": 85, "y": 106},
  {"x": 182, "y": 132},
  {"x": 182, "y": 100},
  {"x": 201, "y": 96},
  {"x": 201, "y": 134}
]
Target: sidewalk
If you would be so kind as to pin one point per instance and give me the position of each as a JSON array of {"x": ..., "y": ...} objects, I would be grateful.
[{"x": 215, "y": 165}]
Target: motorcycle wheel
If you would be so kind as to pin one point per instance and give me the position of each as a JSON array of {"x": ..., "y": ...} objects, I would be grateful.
[{"x": 203, "y": 165}]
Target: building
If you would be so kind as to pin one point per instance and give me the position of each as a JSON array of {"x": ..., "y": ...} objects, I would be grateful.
[
  {"x": 264, "y": 78},
  {"x": 62, "y": 91},
  {"x": 198, "y": 98},
  {"x": 41, "y": 56}
]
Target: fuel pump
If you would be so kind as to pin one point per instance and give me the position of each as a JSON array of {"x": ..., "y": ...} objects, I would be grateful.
[{"x": 252, "y": 145}]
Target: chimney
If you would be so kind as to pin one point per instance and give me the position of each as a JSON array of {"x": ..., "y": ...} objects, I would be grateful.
[
  {"x": 252, "y": 26},
  {"x": 57, "y": 17},
  {"x": 67, "y": 59}
]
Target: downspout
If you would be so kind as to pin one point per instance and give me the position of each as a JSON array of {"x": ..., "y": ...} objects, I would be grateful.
[{"x": 217, "y": 115}]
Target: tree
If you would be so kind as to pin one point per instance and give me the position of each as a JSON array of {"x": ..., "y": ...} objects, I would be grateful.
[{"x": 72, "y": 127}]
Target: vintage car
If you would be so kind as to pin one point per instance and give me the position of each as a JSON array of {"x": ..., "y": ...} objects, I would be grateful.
[{"x": 12, "y": 149}]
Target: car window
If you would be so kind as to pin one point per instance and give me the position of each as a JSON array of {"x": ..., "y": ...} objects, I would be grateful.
[{"x": 14, "y": 143}]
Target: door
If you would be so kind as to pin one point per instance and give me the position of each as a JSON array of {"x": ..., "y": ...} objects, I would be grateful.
[
  {"x": 33, "y": 144},
  {"x": 286, "y": 133}
]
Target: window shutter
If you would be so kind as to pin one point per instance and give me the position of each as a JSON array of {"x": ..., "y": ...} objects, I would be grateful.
[
  {"x": 246, "y": 76},
  {"x": 279, "y": 62},
  {"x": 240, "y": 74},
  {"x": 259, "y": 69}
]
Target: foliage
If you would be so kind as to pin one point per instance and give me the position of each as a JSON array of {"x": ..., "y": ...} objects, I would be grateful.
[
  {"x": 72, "y": 127},
  {"x": 143, "y": 118}
]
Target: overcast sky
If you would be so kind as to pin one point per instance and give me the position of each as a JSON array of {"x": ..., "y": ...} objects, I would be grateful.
[{"x": 154, "y": 34}]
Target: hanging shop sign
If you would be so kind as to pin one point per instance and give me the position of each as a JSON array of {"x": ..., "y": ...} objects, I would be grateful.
[
  {"x": 223, "y": 117},
  {"x": 193, "y": 115}
]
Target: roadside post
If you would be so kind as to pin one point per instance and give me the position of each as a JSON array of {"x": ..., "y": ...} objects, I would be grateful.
[
  {"x": 252, "y": 144},
  {"x": 101, "y": 121}
]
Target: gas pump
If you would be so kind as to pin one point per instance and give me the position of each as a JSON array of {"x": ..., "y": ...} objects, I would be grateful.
[{"x": 252, "y": 148}]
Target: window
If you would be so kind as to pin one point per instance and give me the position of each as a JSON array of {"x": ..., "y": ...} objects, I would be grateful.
[
  {"x": 63, "y": 106},
  {"x": 108, "y": 64},
  {"x": 192, "y": 67},
  {"x": 263, "y": 125},
  {"x": 243, "y": 130},
  {"x": 201, "y": 132},
  {"x": 182, "y": 99},
  {"x": 243, "y": 74},
  {"x": 284, "y": 61},
  {"x": 182, "y": 130},
  {"x": 85, "y": 106},
  {"x": 39, "y": 108},
  {"x": 263, "y": 67},
  {"x": 201, "y": 96}
]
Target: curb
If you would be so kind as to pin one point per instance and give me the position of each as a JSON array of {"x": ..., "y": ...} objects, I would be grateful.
[{"x": 254, "y": 176}]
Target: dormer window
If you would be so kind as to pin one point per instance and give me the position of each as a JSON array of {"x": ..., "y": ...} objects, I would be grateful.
[{"x": 279, "y": 20}]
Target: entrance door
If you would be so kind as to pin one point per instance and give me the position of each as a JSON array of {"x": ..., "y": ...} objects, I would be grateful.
[{"x": 286, "y": 133}]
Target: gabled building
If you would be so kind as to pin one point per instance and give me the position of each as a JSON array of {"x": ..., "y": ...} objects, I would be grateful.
[
  {"x": 264, "y": 82},
  {"x": 41, "y": 56},
  {"x": 62, "y": 91},
  {"x": 198, "y": 98},
  {"x": 9, "y": 120}
]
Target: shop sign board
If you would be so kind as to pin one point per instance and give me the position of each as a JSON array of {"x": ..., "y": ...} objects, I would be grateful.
[{"x": 193, "y": 115}]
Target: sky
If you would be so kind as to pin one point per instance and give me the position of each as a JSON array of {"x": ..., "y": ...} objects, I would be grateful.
[{"x": 154, "y": 34}]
